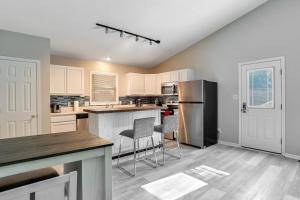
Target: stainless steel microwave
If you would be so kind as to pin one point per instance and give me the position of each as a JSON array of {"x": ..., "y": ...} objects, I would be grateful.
[{"x": 170, "y": 88}]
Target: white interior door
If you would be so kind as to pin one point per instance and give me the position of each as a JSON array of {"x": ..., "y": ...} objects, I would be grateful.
[
  {"x": 261, "y": 109},
  {"x": 18, "y": 102}
]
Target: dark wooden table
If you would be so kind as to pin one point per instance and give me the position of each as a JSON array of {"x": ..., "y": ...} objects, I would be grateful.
[{"x": 83, "y": 152}]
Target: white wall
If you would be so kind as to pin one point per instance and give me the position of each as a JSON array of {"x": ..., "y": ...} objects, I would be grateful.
[
  {"x": 271, "y": 30},
  {"x": 30, "y": 47}
]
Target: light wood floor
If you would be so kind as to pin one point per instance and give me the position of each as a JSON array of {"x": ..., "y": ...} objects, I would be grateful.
[{"x": 253, "y": 175}]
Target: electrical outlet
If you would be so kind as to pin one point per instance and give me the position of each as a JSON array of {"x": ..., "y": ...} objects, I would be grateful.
[{"x": 219, "y": 130}]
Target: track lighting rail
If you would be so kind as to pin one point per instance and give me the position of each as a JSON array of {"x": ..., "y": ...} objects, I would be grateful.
[{"x": 137, "y": 36}]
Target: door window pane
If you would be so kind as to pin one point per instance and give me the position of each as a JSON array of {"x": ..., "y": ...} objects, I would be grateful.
[{"x": 260, "y": 88}]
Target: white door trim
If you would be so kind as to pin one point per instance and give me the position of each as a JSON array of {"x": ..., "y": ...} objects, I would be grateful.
[
  {"x": 282, "y": 61},
  {"x": 38, "y": 86}
]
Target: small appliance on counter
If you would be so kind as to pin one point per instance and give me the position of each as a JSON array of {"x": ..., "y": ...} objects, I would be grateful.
[
  {"x": 55, "y": 108},
  {"x": 76, "y": 105},
  {"x": 158, "y": 102},
  {"x": 138, "y": 103}
]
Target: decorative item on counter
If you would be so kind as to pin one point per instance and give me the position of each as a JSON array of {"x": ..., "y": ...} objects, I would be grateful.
[
  {"x": 76, "y": 105},
  {"x": 138, "y": 103},
  {"x": 86, "y": 103}
]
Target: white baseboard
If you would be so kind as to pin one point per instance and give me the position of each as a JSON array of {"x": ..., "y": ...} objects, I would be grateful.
[
  {"x": 293, "y": 156},
  {"x": 229, "y": 143}
]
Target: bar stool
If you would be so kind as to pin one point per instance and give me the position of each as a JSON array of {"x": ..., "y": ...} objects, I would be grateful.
[
  {"x": 142, "y": 128},
  {"x": 170, "y": 125}
]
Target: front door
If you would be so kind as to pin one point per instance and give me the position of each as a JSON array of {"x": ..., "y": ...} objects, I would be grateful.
[
  {"x": 18, "y": 102},
  {"x": 261, "y": 105}
]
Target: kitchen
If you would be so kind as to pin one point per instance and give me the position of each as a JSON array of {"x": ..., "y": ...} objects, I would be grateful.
[{"x": 165, "y": 100}]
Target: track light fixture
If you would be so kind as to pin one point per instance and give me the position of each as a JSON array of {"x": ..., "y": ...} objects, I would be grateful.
[{"x": 122, "y": 32}]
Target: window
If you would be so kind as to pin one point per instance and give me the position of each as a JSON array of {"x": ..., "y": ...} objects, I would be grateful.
[
  {"x": 260, "y": 88},
  {"x": 104, "y": 88}
]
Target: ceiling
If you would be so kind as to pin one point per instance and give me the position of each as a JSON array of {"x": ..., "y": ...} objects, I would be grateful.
[{"x": 70, "y": 24}]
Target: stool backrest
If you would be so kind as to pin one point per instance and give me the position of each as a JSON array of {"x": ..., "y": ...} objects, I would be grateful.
[
  {"x": 58, "y": 188},
  {"x": 143, "y": 127},
  {"x": 170, "y": 123}
]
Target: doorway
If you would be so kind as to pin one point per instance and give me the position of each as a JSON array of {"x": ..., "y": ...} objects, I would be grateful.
[
  {"x": 261, "y": 96},
  {"x": 19, "y": 102}
]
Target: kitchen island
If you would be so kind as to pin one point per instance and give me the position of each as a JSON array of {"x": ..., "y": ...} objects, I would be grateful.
[
  {"x": 85, "y": 153},
  {"x": 109, "y": 122}
]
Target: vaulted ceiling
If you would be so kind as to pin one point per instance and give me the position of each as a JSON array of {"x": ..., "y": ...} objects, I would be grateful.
[{"x": 70, "y": 24}]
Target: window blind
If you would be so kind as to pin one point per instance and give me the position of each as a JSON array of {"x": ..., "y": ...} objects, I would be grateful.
[{"x": 103, "y": 88}]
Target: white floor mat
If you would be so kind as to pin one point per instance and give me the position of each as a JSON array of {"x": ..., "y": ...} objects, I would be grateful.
[{"x": 173, "y": 187}]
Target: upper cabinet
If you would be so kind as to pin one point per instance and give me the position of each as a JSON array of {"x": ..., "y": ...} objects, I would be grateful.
[
  {"x": 158, "y": 83},
  {"x": 75, "y": 80},
  {"x": 150, "y": 84},
  {"x": 66, "y": 80},
  {"x": 174, "y": 76},
  {"x": 58, "y": 84},
  {"x": 165, "y": 77},
  {"x": 186, "y": 75},
  {"x": 136, "y": 83}
]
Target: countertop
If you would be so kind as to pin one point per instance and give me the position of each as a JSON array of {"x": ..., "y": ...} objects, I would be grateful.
[
  {"x": 67, "y": 113},
  {"x": 23, "y": 149},
  {"x": 122, "y": 109}
]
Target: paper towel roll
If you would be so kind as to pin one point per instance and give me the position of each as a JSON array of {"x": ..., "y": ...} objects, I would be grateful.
[{"x": 76, "y": 105}]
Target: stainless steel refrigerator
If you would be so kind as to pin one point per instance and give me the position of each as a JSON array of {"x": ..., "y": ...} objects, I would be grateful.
[{"x": 198, "y": 108}]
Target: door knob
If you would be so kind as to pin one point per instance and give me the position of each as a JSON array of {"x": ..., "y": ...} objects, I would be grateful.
[
  {"x": 33, "y": 116},
  {"x": 244, "y": 107}
]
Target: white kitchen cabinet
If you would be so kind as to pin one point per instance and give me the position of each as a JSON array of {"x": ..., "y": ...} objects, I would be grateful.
[
  {"x": 136, "y": 83},
  {"x": 65, "y": 123},
  {"x": 166, "y": 77},
  {"x": 75, "y": 80},
  {"x": 58, "y": 84},
  {"x": 158, "y": 84},
  {"x": 186, "y": 75},
  {"x": 66, "y": 80},
  {"x": 150, "y": 84},
  {"x": 175, "y": 76}
]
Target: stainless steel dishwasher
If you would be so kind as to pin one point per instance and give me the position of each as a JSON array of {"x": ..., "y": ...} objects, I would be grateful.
[{"x": 82, "y": 121}]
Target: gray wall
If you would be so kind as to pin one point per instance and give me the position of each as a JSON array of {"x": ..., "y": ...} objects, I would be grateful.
[
  {"x": 30, "y": 47},
  {"x": 271, "y": 30}
]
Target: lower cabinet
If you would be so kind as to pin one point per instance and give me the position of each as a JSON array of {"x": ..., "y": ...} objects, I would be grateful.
[{"x": 65, "y": 123}]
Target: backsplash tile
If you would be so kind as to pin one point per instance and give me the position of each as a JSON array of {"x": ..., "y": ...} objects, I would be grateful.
[
  {"x": 63, "y": 100},
  {"x": 147, "y": 99}
]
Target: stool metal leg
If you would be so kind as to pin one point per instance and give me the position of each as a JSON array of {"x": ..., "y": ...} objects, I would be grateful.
[
  {"x": 146, "y": 150},
  {"x": 154, "y": 152},
  {"x": 136, "y": 156},
  {"x": 134, "y": 149},
  {"x": 163, "y": 148},
  {"x": 120, "y": 148}
]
